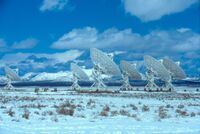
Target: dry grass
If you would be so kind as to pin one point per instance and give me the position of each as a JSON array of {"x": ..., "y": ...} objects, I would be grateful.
[
  {"x": 162, "y": 112},
  {"x": 38, "y": 106},
  {"x": 66, "y": 108}
]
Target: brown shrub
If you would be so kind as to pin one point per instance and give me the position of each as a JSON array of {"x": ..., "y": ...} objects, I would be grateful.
[
  {"x": 104, "y": 113},
  {"x": 106, "y": 108},
  {"x": 65, "y": 111},
  {"x": 145, "y": 108},
  {"x": 10, "y": 112},
  {"x": 26, "y": 114},
  {"x": 133, "y": 107},
  {"x": 181, "y": 106},
  {"x": 50, "y": 113},
  {"x": 124, "y": 113},
  {"x": 181, "y": 112},
  {"x": 192, "y": 114},
  {"x": 46, "y": 89},
  {"x": 162, "y": 113},
  {"x": 68, "y": 104},
  {"x": 36, "y": 90},
  {"x": 90, "y": 102}
]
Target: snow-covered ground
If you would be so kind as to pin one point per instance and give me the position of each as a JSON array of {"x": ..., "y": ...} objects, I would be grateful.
[{"x": 62, "y": 111}]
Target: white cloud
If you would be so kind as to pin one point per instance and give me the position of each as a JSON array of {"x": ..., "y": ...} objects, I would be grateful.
[
  {"x": 15, "y": 59},
  {"x": 181, "y": 44},
  {"x": 53, "y": 5},
  {"x": 156, "y": 42},
  {"x": 62, "y": 57},
  {"x": 149, "y": 10},
  {"x": 182, "y": 30},
  {"x": 89, "y": 37},
  {"x": 25, "y": 44}
]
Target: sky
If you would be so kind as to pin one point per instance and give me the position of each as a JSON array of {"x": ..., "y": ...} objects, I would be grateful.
[{"x": 46, "y": 35}]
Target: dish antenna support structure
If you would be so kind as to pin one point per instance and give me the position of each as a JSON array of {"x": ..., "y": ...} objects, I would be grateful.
[
  {"x": 156, "y": 68},
  {"x": 128, "y": 72},
  {"x": 11, "y": 76},
  {"x": 103, "y": 64},
  {"x": 78, "y": 74},
  {"x": 97, "y": 76}
]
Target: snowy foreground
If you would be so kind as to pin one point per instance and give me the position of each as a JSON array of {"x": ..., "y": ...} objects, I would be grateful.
[{"x": 54, "y": 112}]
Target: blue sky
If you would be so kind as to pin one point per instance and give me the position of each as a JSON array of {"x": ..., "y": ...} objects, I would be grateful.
[{"x": 50, "y": 30}]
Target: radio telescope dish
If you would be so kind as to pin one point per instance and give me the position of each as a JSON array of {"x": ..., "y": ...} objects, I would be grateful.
[
  {"x": 10, "y": 74},
  {"x": 103, "y": 64},
  {"x": 176, "y": 71},
  {"x": 131, "y": 70},
  {"x": 128, "y": 72},
  {"x": 78, "y": 74},
  {"x": 156, "y": 68}
]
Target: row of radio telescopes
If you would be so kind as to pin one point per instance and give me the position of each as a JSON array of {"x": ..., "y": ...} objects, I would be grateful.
[{"x": 165, "y": 70}]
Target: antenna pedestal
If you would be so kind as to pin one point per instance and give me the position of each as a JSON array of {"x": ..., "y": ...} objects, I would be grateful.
[
  {"x": 151, "y": 86},
  {"x": 169, "y": 86},
  {"x": 98, "y": 81},
  {"x": 8, "y": 85},
  {"x": 75, "y": 84},
  {"x": 125, "y": 85}
]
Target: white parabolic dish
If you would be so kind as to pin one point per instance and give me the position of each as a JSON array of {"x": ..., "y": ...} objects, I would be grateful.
[
  {"x": 81, "y": 74},
  {"x": 176, "y": 71},
  {"x": 101, "y": 59},
  {"x": 157, "y": 67},
  {"x": 131, "y": 70},
  {"x": 12, "y": 75}
]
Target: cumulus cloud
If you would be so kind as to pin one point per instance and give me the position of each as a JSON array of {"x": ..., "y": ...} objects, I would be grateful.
[
  {"x": 25, "y": 44},
  {"x": 181, "y": 44},
  {"x": 157, "y": 42},
  {"x": 150, "y": 10},
  {"x": 90, "y": 37},
  {"x": 50, "y": 59},
  {"x": 48, "y": 5}
]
